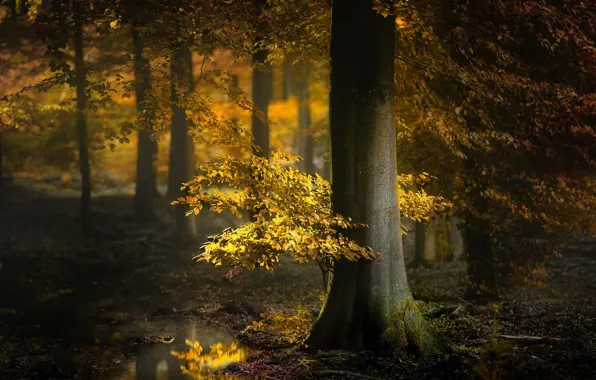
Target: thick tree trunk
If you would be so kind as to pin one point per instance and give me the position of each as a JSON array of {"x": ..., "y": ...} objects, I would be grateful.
[
  {"x": 82, "y": 140},
  {"x": 146, "y": 181},
  {"x": 181, "y": 160},
  {"x": 305, "y": 140},
  {"x": 261, "y": 96},
  {"x": 367, "y": 299},
  {"x": 420, "y": 245}
]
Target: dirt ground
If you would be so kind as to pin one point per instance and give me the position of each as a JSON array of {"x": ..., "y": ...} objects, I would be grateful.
[{"x": 102, "y": 307}]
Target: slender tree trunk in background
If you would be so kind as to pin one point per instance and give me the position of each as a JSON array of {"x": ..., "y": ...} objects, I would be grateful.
[
  {"x": 261, "y": 96},
  {"x": 181, "y": 147},
  {"x": 146, "y": 178},
  {"x": 1, "y": 161},
  {"x": 430, "y": 244},
  {"x": 365, "y": 298},
  {"x": 287, "y": 79},
  {"x": 481, "y": 269},
  {"x": 327, "y": 161},
  {"x": 420, "y": 245},
  {"x": 455, "y": 239},
  {"x": 12, "y": 5},
  {"x": 305, "y": 140},
  {"x": 81, "y": 123}
]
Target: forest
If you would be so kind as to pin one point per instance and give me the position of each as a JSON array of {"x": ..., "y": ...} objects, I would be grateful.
[{"x": 297, "y": 189}]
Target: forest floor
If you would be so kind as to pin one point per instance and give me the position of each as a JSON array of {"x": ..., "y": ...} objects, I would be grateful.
[{"x": 116, "y": 303}]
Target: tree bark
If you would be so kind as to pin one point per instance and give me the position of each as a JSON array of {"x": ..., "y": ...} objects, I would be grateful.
[
  {"x": 455, "y": 239},
  {"x": 146, "y": 176},
  {"x": 261, "y": 96},
  {"x": 287, "y": 79},
  {"x": 364, "y": 296},
  {"x": 420, "y": 245},
  {"x": 481, "y": 269},
  {"x": 305, "y": 140},
  {"x": 1, "y": 162},
  {"x": 430, "y": 244},
  {"x": 181, "y": 148},
  {"x": 81, "y": 122}
]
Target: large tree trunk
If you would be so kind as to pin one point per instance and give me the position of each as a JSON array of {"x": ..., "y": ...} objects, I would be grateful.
[
  {"x": 305, "y": 140},
  {"x": 181, "y": 160},
  {"x": 261, "y": 96},
  {"x": 82, "y": 140},
  {"x": 367, "y": 301},
  {"x": 146, "y": 177}
]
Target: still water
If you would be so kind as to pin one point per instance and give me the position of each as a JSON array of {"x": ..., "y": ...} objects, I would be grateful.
[{"x": 194, "y": 356}]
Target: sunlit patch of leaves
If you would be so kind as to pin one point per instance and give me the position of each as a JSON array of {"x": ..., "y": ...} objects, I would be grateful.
[
  {"x": 415, "y": 203},
  {"x": 291, "y": 212},
  {"x": 292, "y": 328}
]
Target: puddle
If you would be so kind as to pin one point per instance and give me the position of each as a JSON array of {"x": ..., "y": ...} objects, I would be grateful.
[{"x": 196, "y": 356}]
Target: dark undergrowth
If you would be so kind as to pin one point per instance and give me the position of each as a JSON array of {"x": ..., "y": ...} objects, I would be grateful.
[{"x": 103, "y": 306}]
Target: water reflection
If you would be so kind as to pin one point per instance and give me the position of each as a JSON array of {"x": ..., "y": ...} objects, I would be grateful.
[
  {"x": 200, "y": 364},
  {"x": 206, "y": 351}
]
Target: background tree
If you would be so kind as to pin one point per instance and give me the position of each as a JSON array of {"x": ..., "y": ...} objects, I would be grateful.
[
  {"x": 81, "y": 122},
  {"x": 146, "y": 177},
  {"x": 181, "y": 161}
]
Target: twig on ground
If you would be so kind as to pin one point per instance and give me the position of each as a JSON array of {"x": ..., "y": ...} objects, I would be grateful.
[
  {"x": 330, "y": 372},
  {"x": 530, "y": 338},
  {"x": 464, "y": 301}
]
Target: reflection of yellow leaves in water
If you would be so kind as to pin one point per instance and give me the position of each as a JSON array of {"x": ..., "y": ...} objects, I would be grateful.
[{"x": 200, "y": 364}]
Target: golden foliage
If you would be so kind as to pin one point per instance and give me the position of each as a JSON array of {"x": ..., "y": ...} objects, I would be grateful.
[
  {"x": 291, "y": 211},
  {"x": 291, "y": 328},
  {"x": 200, "y": 364},
  {"x": 414, "y": 202}
]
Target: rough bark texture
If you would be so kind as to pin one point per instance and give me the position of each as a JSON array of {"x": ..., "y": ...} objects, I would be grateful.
[
  {"x": 82, "y": 140},
  {"x": 261, "y": 96},
  {"x": 181, "y": 160},
  {"x": 146, "y": 177},
  {"x": 305, "y": 139},
  {"x": 366, "y": 298}
]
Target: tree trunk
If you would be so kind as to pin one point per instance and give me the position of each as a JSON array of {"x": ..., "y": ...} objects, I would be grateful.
[
  {"x": 420, "y": 245},
  {"x": 327, "y": 160},
  {"x": 305, "y": 140},
  {"x": 181, "y": 148},
  {"x": 367, "y": 300},
  {"x": 1, "y": 162},
  {"x": 430, "y": 244},
  {"x": 146, "y": 179},
  {"x": 287, "y": 79},
  {"x": 455, "y": 239},
  {"x": 481, "y": 269},
  {"x": 261, "y": 96},
  {"x": 82, "y": 140}
]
